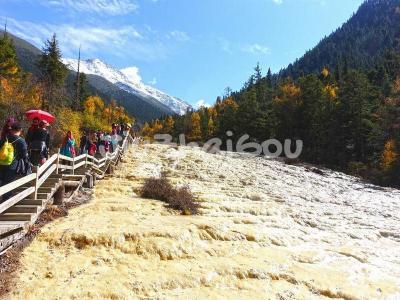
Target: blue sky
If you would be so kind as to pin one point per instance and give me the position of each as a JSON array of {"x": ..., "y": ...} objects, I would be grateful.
[{"x": 192, "y": 49}]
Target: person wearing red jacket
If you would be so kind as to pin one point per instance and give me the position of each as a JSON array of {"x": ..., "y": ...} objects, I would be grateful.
[{"x": 7, "y": 128}]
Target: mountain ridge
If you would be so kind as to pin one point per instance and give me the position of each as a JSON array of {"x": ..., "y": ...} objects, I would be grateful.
[
  {"x": 360, "y": 42},
  {"x": 124, "y": 80},
  {"x": 142, "y": 108}
]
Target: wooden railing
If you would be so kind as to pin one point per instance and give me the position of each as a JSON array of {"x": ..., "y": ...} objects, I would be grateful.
[{"x": 58, "y": 164}]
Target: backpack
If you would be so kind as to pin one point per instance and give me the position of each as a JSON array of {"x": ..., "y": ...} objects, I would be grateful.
[{"x": 7, "y": 153}]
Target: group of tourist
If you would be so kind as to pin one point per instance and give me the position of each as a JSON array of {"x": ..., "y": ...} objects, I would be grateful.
[
  {"x": 19, "y": 154},
  {"x": 103, "y": 142}
]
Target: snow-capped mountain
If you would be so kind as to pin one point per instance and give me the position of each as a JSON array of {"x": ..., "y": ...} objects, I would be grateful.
[{"x": 128, "y": 80}]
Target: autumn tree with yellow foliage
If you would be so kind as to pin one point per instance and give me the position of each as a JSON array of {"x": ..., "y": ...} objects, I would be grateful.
[
  {"x": 389, "y": 155},
  {"x": 195, "y": 128},
  {"x": 18, "y": 92},
  {"x": 99, "y": 116},
  {"x": 21, "y": 91},
  {"x": 169, "y": 125}
]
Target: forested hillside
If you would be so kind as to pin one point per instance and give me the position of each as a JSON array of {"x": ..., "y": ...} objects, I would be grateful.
[
  {"x": 344, "y": 106},
  {"x": 360, "y": 43},
  {"x": 141, "y": 108}
]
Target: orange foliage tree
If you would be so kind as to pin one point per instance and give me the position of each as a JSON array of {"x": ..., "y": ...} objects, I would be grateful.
[
  {"x": 389, "y": 155},
  {"x": 195, "y": 127}
]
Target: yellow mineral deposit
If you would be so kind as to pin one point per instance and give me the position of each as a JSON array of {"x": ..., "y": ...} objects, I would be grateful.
[{"x": 266, "y": 231}]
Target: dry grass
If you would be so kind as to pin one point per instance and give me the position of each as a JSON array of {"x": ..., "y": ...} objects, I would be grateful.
[{"x": 161, "y": 189}]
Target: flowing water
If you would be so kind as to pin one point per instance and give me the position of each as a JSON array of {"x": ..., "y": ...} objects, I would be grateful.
[{"x": 266, "y": 230}]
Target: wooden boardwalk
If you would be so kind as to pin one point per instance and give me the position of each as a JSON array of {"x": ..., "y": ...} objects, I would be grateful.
[{"x": 32, "y": 193}]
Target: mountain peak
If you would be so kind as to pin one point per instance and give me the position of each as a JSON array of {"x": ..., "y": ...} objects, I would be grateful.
[
  {"x": 132, "y": 73},
  {"x": 129, "y": 80}
]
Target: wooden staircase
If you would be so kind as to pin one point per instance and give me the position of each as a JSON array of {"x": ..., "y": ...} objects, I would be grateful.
[
  {"x": 32, "y": 193},
  {"x": 28, "y": 210}
]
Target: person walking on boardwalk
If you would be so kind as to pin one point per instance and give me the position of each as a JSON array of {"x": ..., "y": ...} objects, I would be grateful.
[
  {"x": 68, "y": 146},
  {"x": 39, "y": 144},
  {"x": 14, "y": 160},
  {"x": 114, "y": 140},
  {"x": 34, "y": 126},
  {"x": 84, "y": 143},
  {"x": 7, "y": 128}
]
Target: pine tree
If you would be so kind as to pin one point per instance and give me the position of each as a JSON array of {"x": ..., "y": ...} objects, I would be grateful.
[
  {"x": 227, "y": 92},
  {"x": 8, "y": 57},
  {"x": 83, "y": 91},
  {"x": 53, "y": 71},
  {"x": 257, "y": 73},
  {"x": 269, "y": 78},
  {"x": 337, "y": 74},
  {"x": 354, "y": 95}
]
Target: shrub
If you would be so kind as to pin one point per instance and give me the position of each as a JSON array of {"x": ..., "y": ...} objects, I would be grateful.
[
  {"x": 157, "y": 188},
  {"x": 182, "y": 199},
  {"x": 161, "y": 189}
]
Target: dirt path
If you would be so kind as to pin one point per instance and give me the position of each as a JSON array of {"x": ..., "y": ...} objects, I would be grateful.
[{"x": 266, "y": 230}]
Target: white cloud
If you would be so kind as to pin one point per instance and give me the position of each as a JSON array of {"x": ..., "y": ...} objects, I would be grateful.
[
  {"x": 133, "y": 74},
  {"x": 153, "y": 81},
  {"x": 278, "y": 1},
  {"x": 123, "y": 41},
  {"x": 178, "y": 35},
  {"x": 202, "y": 103},
  {"x": 110, "y": 7},
  {"x": 256, "y": 49}
]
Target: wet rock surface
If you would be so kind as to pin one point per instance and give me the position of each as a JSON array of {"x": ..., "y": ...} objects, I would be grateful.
[{"x": 266, "y": 230}]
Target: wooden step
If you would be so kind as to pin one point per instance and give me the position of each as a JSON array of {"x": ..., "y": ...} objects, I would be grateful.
[
  {"x": 7, "y": 226},
  {"x": 48, "y": 185},
  {"x": 17, "y": 217},
  {"x": 81, "y": 172},
  {"x": 38, "y": 202},
  {"x": 49, "y": 181},
  {"x": 55, "y": 179},
  {"x": 9, "y": 237},
  {"x": 76, "y": 177},
  {"x": 26, "y": 209},
  {"x": 20, "y": 189},
  {"x": 46, "y": 190},
  {"x": 54, "y": 176},
  {"x": 40, "y": 196}
]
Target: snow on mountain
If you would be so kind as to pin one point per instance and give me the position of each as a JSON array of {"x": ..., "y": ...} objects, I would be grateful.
[{"x": 129, "y": 80}]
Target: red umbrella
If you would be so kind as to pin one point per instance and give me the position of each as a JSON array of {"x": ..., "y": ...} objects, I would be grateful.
[{"x": 42, "y": 115}]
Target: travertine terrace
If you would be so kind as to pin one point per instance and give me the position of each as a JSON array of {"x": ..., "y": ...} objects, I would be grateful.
[{"x": 266, "y": 231}]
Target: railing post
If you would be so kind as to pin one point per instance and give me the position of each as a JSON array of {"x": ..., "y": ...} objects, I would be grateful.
[
  {"x": 58, "y": 160},
  {"x": 73, "y": 165},
  {"x": 36, "y": 182},
  {"x": 86, "y": 159}
]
